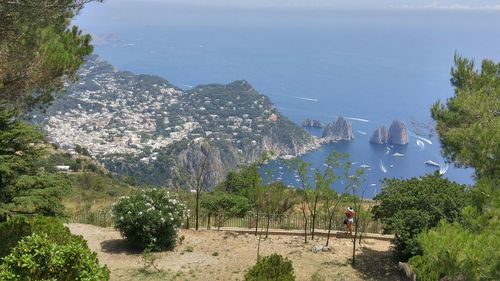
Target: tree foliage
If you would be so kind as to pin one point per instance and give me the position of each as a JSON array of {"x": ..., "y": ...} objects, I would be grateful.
[
  {"x": 39, "y": 48},
  {"x": 453, "y": 252},
  {"x": 36, "y": 257},
  {"x": 13, "y": 231},
  {"x": 469, "y": 128},
  {"x": 224, "y": 205},
  {"x": 24, "y": 189},
  {"x": 469, "y": 122},
  {"x": 408, "y": 207}
]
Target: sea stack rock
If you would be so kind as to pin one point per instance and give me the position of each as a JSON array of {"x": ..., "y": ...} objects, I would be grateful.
[
  {"x": 380, "y": 136},
  {"x": 341, "y": 129},
  {"x": 312, "y": 123},
  {"x": 398, "y": 134}
]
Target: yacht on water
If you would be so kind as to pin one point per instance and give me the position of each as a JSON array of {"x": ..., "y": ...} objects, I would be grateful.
[{"x": 432, "y": 163}]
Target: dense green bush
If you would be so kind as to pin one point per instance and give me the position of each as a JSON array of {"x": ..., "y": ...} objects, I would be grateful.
[
  {"x": 13, "y": 231},
  {"x": 273, "y": 267},
  {"x": 150, "y": 218},
  {"x": 36, "y": 257},
  {"x": 408, "y": 207},
  {"x": 459, "y": 254}
]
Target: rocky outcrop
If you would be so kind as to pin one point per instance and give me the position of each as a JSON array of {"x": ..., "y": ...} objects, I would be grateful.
[
  {"x": 341, "y": 129},
  {"x": 398, "y": 134},
  {"x": 312, "y": 123},
  {"x": 380, "y": 135}
]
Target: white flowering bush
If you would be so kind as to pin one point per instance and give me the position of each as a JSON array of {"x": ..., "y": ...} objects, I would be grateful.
[{"x": 150, "y": 219}]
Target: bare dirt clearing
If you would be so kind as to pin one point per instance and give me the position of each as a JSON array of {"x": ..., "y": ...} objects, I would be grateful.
[{"x": 210, "y": 255}]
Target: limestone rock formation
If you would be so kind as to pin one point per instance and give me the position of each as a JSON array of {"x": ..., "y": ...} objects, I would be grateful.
[
  {"x": 380, "y": 136},
  {"x": 398, "y": 134},
  {"x": 341, "y": 129},
  {"x": 312, "y": 123}
]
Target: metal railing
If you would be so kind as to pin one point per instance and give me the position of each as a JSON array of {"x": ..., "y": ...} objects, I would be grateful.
[{"x": 288, "y": 222}]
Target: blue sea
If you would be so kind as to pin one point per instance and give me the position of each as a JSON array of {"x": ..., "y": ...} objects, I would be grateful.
[{"x": 370, "y": 66}]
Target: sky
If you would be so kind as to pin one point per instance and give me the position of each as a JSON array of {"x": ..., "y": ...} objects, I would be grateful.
[{"x": 339, "y": 4}]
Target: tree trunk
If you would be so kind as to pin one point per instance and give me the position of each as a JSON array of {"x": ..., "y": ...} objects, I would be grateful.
[
  {"x": 208, "y": 221},
  {"x": 329, "y": 230},
  {"x": 197, "y": 210},
  {"x": 313, "y": 223},
  {"x": 354, "y": 241},
  {"x": 313, "y": 226},
  {"x": 257, "y": 222},
  {"x": 267, "y": 227},
  {"x": 354, "y": 251},
  {"x": 305, "y": 229}
]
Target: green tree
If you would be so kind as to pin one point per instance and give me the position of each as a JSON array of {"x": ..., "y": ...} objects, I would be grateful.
[
  {"x": 254, "y": 190},
  {"x": 24, "y": 189},
  {"x": 313, "y": 194},
  {"x": 469, "y": 128},
  {"x": 39, "y": 48},
  {"x": 408, "y": 207},
  {"x": 469, "y": 123},
  {"x": 276, "y": 201},
  {"x": 224, "y": 206}
]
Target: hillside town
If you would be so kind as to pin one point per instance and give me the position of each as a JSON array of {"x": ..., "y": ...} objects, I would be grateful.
[{"x": 111, "y": 112}]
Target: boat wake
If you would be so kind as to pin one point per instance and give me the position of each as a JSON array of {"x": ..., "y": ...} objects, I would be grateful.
[
  {"x": 357, "y": 119},
  {"x": 382, "y": 167},
  {"x": 420, "y": 145},
  {"x": 307, "y": 99},
  {"x": 423, "y": 139},
  {"x": 361, "y": 132},
  {"x": 443, "y": 168}
]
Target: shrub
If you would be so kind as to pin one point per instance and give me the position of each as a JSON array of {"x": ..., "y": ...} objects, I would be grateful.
[
  {"x": 408, "y": 207},
  {"x": 13, "y": 231},
  {"x": 224, "y": 206},
  {"x": 149, "y": 218},
  {"x": 36, "y": 257},
  {"x": 457, "y": 253},
  {"x": 273, "y": 267}
]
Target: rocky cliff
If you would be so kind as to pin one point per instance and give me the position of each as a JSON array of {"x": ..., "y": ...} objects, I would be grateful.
[
  {"x": 312, "y": 123},
  {"x": 380, "y": 135},
  {"x": 398, "y": 134},
  {"x": 341, "y": 129}
]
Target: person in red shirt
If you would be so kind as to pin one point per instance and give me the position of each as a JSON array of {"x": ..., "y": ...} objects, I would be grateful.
[{"x": 349, "y": 214}]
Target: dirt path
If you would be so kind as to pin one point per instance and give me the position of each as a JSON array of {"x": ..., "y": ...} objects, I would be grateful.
[{"x": 209, "y": 255}]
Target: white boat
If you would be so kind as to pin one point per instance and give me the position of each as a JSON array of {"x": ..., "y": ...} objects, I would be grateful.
[
  {"x": 391, "y": 166},
  {"x": 364, "y": 166},
  {"x": 432, "y": 163},
  {"x": 397, "y": 154},
  {"x": 373, "y": 184}
]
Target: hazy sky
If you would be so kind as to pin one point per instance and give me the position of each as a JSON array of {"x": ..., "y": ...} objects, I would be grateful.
[{"x": 341, "y": 4}]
